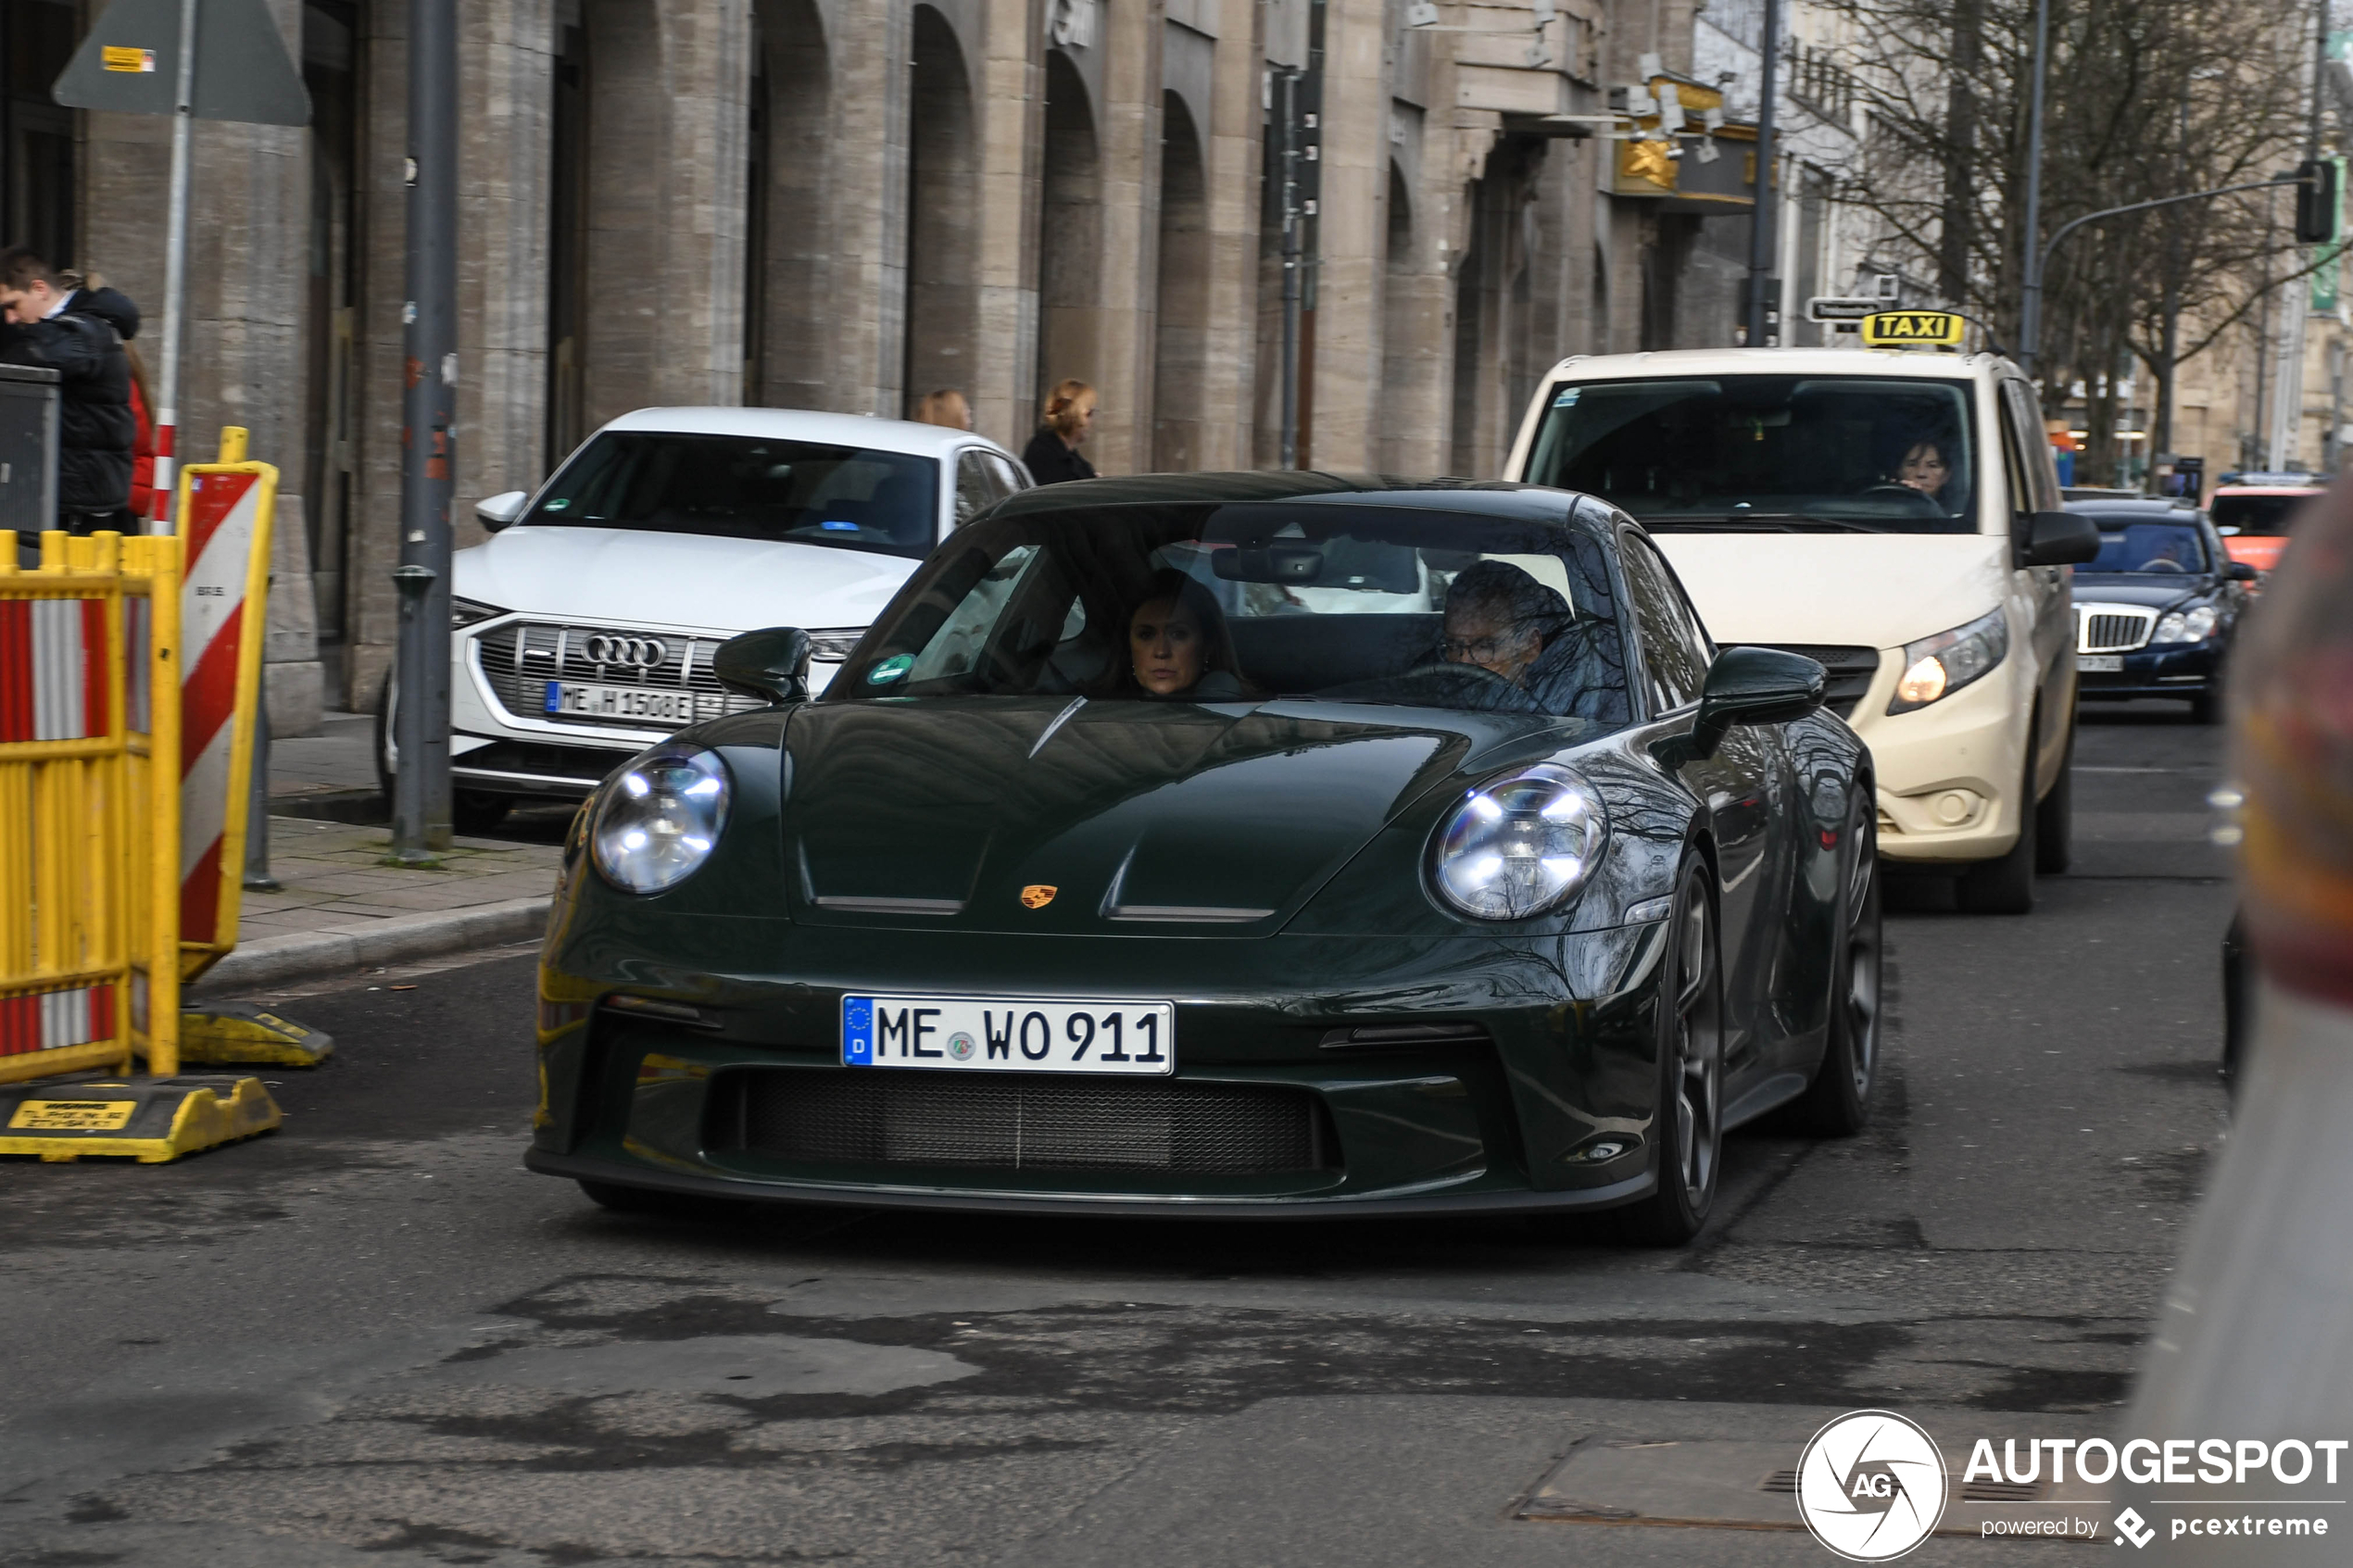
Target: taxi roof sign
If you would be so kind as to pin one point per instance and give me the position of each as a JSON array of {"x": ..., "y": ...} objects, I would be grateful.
[{"x": 1907, "y": 329}]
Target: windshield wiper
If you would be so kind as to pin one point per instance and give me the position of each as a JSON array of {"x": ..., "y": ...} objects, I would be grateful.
[{"x": 1757, "y": 522}]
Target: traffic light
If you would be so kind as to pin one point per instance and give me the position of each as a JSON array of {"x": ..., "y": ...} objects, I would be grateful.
[{"x": 2316, "y": 201}]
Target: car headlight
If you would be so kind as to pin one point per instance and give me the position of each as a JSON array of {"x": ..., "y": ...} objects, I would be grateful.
[
  {"x": 1518, "y": 845},
  {"x": 1937, "y": 667},
  {"x": 660, "y": 817},
  {"x": 2185, "y": 626},
  {"x": 467, "y": 613}
]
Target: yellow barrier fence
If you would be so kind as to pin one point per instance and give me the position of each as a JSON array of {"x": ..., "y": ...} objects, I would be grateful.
[{"x": 90, "y": 771}]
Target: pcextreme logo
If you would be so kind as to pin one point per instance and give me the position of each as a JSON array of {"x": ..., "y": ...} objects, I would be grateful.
[{"x": 1870, "y": 1485}]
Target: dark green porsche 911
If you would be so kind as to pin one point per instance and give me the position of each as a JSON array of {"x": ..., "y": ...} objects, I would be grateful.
[{"x": 1250, "y": 844}]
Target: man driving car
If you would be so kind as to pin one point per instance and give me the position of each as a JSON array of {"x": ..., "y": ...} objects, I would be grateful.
[{"x": 1499, "y": 618}]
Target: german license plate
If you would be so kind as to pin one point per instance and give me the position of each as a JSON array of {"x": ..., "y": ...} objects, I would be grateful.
[
  {"x": 2100, "y": 663},
  {"x": 1003, "y": 1034},
  {"x": 72, "y": 1115},
  {"x": 621, "y": 702}
]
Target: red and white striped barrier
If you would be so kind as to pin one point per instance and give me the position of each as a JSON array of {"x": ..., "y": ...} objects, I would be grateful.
[
  {"x": 50, "y": 1020},
  {"x": 224, "y": 530},
  {"x": 53, "y": 669}
]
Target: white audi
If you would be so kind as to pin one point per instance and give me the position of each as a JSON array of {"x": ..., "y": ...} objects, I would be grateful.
[{"x": 583, "y": 630}]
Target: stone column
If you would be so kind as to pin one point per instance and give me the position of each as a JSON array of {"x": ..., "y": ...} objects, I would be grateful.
[
  {"x": 869, "y": 148},
  {"x": 1231, "y": 154},
  {"x": 1129, "y": 125},
  {"x": 1352, "y": 235},
  {"x": 1008, "y": 114}
]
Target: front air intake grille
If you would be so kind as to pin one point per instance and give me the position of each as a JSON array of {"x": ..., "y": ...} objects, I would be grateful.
[
  {"x": 1849, "y": 672},
  {"x": 879, "y": 1117},
  {"x": 519, "y": 659},
  {"x": 2112, "y": 628}
]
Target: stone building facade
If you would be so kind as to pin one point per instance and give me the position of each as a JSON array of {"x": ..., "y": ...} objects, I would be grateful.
[{"x": 844, "y": 204}]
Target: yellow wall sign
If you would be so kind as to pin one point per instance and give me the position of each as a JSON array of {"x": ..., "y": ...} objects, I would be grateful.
[
  {"x": 115, "y": 57},
  {"x": 1896, "y": 328}
]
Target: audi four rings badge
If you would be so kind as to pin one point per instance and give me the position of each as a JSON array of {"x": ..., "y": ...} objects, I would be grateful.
[{"x": 604, "y": 647}]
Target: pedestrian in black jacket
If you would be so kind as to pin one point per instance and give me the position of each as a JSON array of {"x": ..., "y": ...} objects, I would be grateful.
[
  {"x": 1051, "y": 455},
  {"x": 73, "y": 332}
]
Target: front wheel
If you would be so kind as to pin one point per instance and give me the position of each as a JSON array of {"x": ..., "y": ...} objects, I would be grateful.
[
  {"x": 1688, "y": 1127},
  {"x": 2006, "y": 886},
  {"x": 2055, "y": 818},
  {"x": 1838, "y": 1102}
]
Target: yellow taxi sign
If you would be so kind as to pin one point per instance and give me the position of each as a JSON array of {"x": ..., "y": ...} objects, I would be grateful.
[{"x": 1900, "y": 329}]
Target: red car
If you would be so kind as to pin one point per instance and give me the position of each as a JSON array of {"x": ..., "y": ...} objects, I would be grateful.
[{"x": 2253, "y": 515}]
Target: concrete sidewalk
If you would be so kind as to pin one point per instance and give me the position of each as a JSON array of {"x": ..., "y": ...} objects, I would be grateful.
[{"x": 340, "y": 908}]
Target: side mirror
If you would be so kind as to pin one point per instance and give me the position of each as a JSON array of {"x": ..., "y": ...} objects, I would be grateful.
[
  {"x": 770, "y": 665},
  {"x": 494, "y": 512},
  {"x": 2239, "y": 571},
  {"x": 1754, "y": 685},
  {"x": 2059, "y": 539}
]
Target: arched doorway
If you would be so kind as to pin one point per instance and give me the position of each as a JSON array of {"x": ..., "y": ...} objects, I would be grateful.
[
  {"x": 1071, "y": 237},
  {"x": 1403, "y": 354},
  {"x": 789, "y": 260},
  {"x": 942, "y": 217},
  {"x": 1181, "y": 347}
]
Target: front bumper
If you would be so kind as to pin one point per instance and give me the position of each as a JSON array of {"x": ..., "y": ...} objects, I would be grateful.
[
  {"x": 2175, "y": 670},
  {"x": 1547, "y": 1058},
  {"x": 1949, "y": 774}
]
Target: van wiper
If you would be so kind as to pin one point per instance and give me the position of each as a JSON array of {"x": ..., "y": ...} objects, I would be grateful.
[{"x": 1756, "y": 523}]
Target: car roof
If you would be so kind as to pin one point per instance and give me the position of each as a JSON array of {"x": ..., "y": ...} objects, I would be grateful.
[
  {"x": 1781, "y": 362},
  {"x": 1528, "y": 503},
  {"x": 807, "y": 424},
  {"x": 2153, "y": 507}
]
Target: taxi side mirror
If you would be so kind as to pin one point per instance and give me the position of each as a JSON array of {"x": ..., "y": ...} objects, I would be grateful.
[
  {"x": 2239, "y": 571},
  {"x": 772, "y": 665},
  {"x": 494, "y": 512},
  {"x": 2059, "y": 539}
]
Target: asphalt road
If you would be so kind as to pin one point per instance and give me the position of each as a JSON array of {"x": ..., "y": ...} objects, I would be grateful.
[{"x": 372, "y": 1340}]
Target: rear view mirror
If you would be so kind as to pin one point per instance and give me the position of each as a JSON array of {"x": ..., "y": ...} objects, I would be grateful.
[
  {"x": 494, "y": 512},
  {"x": 1288, "y": 563},
  {"x": 2239, "y": 571},
  {"x": 772, "y": 665},
  {"x": 2059, "y": 539},
  {"x": 1754, "y": 685}
]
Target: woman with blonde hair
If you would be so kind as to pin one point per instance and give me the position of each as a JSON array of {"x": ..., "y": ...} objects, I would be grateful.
[{"x": 1052, "y": 454}]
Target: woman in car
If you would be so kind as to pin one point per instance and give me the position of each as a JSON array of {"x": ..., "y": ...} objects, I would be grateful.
[{"x": 1179, "y": 648}]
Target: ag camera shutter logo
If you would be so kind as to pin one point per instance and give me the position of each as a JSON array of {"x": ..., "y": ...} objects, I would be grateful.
[{"x": 1870, "y": 1485}]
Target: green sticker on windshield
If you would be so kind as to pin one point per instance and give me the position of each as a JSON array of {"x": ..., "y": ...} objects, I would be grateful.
[{"x": 890, "y": 669}]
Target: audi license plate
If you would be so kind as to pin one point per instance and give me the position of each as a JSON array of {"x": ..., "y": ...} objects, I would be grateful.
[
  {"x": 621, "y": 702},
  {"x": 1000, "y": 1035},
  {"x": 2100, "y": 663}
]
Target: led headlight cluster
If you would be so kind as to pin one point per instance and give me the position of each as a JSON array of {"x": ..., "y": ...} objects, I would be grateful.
[
  {"x": 2185, "y": 625},
  {"x": 1518, "y": 845},
  {"x": 659, "y": 817},
  {"x": 1937, "y": 667},
  {"x": 469, "y": 613}
]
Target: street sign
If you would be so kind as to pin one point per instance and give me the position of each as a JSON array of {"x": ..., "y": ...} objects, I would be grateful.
[
  {"x": 129, "y": 64},
  {"x": 1834, "y": 307},
  {"x": 1896, "y": 328}
]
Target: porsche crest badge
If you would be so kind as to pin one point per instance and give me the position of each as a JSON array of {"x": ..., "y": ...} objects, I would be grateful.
[{"x": 1037, "y": 895}]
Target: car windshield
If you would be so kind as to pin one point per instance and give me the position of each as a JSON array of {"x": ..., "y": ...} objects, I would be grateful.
[
  {"x": 748, "y": 487},
  {"x": 1801, "y": 453},
  {"x": 2257, "y": 514},
  {"x": 2170, "y": 548},
  {"x": 1253, "y": 602}
]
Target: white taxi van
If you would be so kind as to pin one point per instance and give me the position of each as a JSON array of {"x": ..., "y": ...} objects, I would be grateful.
[
  {"x": 1894, "y": 515},
  {"x": 584, "y": 628}
]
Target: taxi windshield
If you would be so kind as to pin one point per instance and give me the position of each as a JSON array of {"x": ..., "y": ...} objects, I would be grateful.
[
  {"x": 748, "y": 487},
  {"x": 1247, "y": 603},
  {"x": 1861, "y": 453}
]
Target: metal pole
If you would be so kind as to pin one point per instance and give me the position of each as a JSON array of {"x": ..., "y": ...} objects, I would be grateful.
[
  {"x": 1761, "y": 224},
  {"x": 2029, "y": 310},
  {"x": 257, "y": 877},
  {"x": 1291, "y": 267},
  {"x": 421, "y": 827},
  {"x": 175, "y": 269}
]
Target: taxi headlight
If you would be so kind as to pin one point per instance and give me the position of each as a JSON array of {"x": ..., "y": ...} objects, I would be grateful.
[
  {"x": 659, "y": 817},
  {"x": 1518, "y": 845},
  {"x": 1937, "y": 667},
  {"x": 2186, "y": 626}
]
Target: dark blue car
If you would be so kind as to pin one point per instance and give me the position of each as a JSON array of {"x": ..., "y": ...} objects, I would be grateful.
[{"x": 2155, "y": 609}]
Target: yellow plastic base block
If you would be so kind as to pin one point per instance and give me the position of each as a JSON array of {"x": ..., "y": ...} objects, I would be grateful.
[
  {"x": 220, "y": 1032},
  {"x": 149, "y": 1119}
]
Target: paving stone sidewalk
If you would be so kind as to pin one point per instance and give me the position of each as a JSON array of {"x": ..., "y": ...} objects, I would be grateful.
[{"x": 339, "y": 907}]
